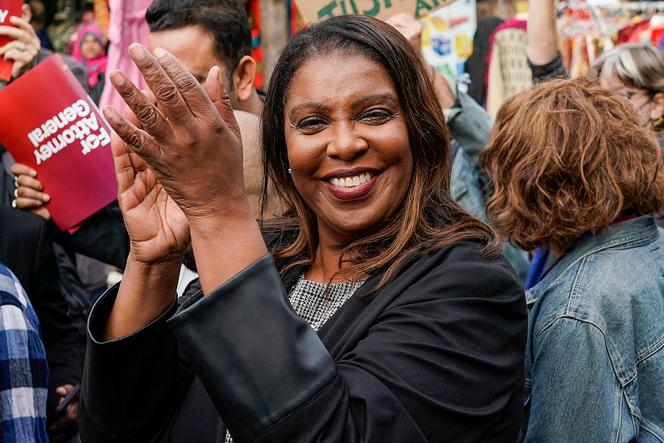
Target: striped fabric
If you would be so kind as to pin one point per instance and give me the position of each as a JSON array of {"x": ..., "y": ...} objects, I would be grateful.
[{"x": 23, "y": 368}]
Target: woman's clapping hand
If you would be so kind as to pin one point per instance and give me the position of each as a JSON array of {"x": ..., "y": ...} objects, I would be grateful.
[{"x": 187, "y": 137}]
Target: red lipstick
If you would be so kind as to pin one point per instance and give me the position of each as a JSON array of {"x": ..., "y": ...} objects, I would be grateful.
[{"x": 352, "y": 192}]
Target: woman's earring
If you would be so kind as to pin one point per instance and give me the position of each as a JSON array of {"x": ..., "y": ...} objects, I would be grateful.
[
  {"x": 658, "y": 123},
  {"x": 290, "y": 171}
]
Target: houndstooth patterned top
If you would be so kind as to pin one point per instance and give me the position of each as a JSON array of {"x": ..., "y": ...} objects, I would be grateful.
[{"x": 316, "y": 302}]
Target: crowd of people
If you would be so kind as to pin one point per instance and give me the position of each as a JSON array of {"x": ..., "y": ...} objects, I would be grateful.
[{"x": 342, "y": 257}]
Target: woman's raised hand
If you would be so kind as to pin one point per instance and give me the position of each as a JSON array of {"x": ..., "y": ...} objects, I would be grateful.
[
  {"x": 190, "y": 142},
  {"x": 188, "y": 137},
  {"x": 157, "y": 227}
]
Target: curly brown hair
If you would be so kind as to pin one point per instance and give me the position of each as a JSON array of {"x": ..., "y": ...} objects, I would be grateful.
[{"x": 567, "y": 158}]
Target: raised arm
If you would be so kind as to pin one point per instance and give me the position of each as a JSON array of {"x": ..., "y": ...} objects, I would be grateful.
[
  {"x": 183, "y": 143},
  {"x": 542, "y": 32},
  {"x": 411, "y": 28}
]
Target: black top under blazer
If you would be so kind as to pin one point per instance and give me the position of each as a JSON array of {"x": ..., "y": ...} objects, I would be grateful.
[{"x": 437, "y": 355}]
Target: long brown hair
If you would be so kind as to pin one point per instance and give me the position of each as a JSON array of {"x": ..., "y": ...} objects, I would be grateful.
[
  {"x": 567, "y": 158},
  {"x": 428, "y": 219}
]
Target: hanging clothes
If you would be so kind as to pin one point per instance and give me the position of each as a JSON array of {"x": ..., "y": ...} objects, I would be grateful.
[
  {"x": 476, "y": 65},
  {"x": 508, "y": 72},
  {"x": 127, "y": 25},
  {"x": 586, "y": 31}
]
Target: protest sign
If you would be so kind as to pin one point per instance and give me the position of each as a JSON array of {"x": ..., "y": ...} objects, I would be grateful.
[
  {"x": 48, "y": 122},
  {"x": 8, "y": 8},
  {"x": 447, "y": 39},
  {"x": 314, "y": 10}
]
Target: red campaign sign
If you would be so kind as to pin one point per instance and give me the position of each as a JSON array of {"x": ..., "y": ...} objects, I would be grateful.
[
  {"x": 49, "y": 123},
  {"x": 8, "y": 8}
]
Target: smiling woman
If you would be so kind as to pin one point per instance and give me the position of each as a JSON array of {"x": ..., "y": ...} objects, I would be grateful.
[{"x": 387, "y": 314}]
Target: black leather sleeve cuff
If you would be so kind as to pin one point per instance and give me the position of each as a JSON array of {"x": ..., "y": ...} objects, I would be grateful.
[
  {"x": 102, "y": 310},
  {"x": 258, "y": 360},
  {"x": 143, "y": 364}
]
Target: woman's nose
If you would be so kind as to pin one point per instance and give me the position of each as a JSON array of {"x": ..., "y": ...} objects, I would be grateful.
[{"x": 346, "y": 144}]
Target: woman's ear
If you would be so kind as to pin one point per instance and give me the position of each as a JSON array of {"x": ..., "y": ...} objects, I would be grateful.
[
  {"x": 657, "y": 108},
  {"x": 243, "y": 78}
]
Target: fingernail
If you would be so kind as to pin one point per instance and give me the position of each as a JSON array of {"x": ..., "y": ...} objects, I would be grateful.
[
  {"x": 159, "y": 53},
  {"x": 117, "y": 78},
  {"x": 137, "y": 52},
  {"x": 108, "y": 112},
  {"x": 46, "y": 198}
]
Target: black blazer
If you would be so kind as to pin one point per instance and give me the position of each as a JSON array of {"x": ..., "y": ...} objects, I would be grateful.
[
  {"x": 26, "y": 249},
  {"x": 437, "y": 355}
]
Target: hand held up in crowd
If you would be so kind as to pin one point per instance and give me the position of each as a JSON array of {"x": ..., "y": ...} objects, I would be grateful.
[
  {"x": 178, "y": 149},
  {"x": 183, "y": 137},
  {"x": 542, "y": 32},
  {"x": 411, "y": 28},
  {"x": 23, "y": 48},
  {"x": 157, "y": 228}
]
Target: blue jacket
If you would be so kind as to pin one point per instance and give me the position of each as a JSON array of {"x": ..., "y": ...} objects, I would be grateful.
[
  {"x": 471, "y": 125},
  {"x": 595, "y": 352}
]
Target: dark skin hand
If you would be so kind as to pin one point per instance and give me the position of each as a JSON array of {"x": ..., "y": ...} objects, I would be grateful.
[
  {"x": 171, "y": 140},
  {"x": 178, "y": 163},
  {"x": 64, "y": 428}
]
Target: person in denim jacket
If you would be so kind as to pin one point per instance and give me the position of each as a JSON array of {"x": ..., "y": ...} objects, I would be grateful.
[
  {"x": 595, "y": 352},
  {"x": 470, "y": 127}
]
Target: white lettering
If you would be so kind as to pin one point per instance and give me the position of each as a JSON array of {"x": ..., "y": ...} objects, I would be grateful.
[
  {"x": 80, "y": 130},
  {"x": 60, "y": 120},
  {"x": 58, "y": 143},
  {"x": 40, "y": 158},
  {"x": 104, "y": 137},
  {"x": 76, "y": 122},
  {"x": 69, "y": 113},
  {"x": 86, "y": 147},
  {"x": 39, "y": 135},
  {"x": 46, "y": 150},
  {"x": 68, "y": 136},
  {"x": 33, "y": 139},
  {"x": 83, "y": 108},
  {"x": 94, "y": 141},
  {"x": 3, "y": 15},
  {"x": 51, "y": 127},
  {"x": 91, "y": 122}
]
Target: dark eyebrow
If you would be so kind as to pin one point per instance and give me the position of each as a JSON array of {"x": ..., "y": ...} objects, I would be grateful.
[
  {"x": 312, "y": 106},
  {"x": 360, "y": 103},
  {"x": 375, "y": 99}
]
